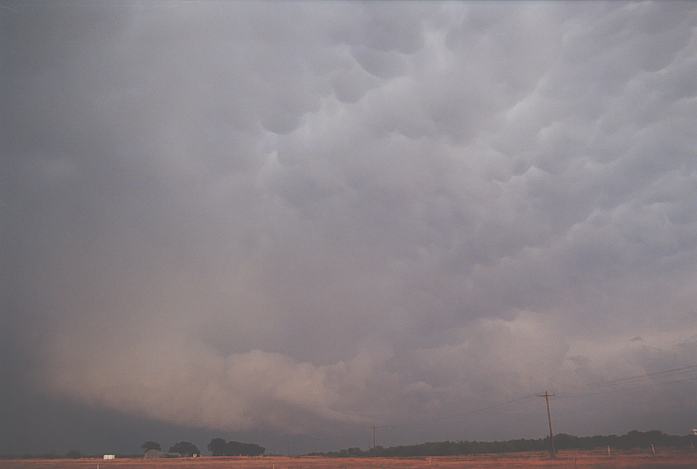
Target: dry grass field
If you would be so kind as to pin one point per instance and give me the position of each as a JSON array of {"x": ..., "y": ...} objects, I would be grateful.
[{"x": 568, "y": 459}]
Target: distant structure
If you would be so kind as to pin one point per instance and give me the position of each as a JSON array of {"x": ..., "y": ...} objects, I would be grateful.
[
  {"x": 109, "y": 456},
  {"x": 694, "y": 432},
  {"x": 152, "y": 454}
]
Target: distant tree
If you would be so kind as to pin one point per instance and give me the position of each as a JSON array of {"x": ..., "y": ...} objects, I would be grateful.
[
  {"x": 73, "y": 454},
  {"x": 236, "y": 448},
  {"x": 151, "y": 445},
  {"x": 184, "y": 448},
  {"x": 217, "y": 447}
]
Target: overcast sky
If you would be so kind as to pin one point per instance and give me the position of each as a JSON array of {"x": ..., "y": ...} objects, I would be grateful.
[{"x": 285, "y": 222}]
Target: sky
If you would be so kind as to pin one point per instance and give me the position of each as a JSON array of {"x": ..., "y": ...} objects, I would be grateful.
[{"x": 284, "y": 222}]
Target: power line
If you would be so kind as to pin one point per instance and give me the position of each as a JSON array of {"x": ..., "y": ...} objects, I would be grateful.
[
  {"x": 625, "y": 381},
  {"x": 624, "y": 384},
  {"x": 639, "y": 386},
  {"x": 613, "y": 382},
  {"x": 628, "y": 382}
]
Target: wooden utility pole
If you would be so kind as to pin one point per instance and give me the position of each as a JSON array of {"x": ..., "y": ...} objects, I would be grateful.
[
  {"x": 552, "y": 451},
  {"x": 374, "y": 436}
]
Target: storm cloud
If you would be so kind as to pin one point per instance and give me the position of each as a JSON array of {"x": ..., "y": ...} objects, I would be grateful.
[{"x": 301, "y": 218}]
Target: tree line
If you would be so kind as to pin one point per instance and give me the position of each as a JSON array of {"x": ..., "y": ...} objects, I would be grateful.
[
  {"x": 184, "y": 448},
  {"x": 220, "y": 447},
  {"x": 217, "y": 447},
  {"x": 562, "y": 441}
]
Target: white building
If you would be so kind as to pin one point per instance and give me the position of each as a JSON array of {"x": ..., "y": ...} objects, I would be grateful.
[{"x": 109, "y": 456}]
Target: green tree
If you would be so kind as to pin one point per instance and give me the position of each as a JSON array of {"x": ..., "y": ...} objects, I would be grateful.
[
  {"x": 236, "y": 448},
  {"x": 217, "y": 447},
  {"x": 151, "y": 445},
  {"x": 184, "y": 448}
]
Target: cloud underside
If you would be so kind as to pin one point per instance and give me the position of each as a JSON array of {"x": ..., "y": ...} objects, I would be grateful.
[{"x": 296, "y": 216}]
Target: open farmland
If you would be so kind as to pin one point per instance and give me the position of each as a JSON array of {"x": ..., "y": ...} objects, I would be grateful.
[{"x": 565, "y": 460}]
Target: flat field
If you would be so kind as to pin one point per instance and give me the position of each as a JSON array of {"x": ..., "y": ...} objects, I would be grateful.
[{"x": 567, "y": 460}]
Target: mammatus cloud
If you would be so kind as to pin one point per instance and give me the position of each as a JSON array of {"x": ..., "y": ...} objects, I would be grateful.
[{"x": 294, "y": 218}]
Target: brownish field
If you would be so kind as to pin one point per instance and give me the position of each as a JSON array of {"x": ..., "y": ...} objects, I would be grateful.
[{"x": 568, "y": 459}]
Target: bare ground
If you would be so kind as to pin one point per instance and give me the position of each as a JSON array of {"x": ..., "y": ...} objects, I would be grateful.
[{"x": 567, "y": 459}]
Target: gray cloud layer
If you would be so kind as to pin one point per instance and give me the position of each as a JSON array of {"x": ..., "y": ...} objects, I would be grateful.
[{"x": 300, "y": 217}]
